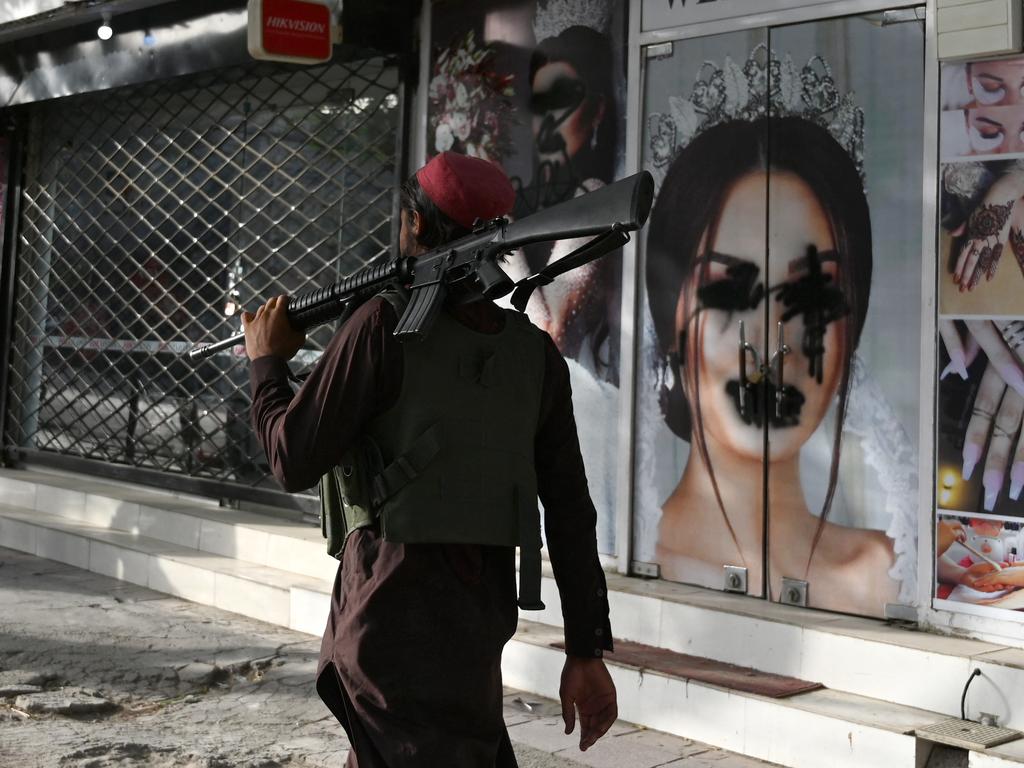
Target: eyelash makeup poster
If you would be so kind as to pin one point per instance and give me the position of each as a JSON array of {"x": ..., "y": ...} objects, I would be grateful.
[
  {"x": 980, "y": 458},
  {"x": 788, "y": 165},
  {"x": 539, "y": 88}
]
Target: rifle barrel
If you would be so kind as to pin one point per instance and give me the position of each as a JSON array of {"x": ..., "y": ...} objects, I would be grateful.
[{"x": 619, "y": 207}]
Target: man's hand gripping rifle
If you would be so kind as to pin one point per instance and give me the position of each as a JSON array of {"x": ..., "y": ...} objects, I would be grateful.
[{"x": 606, "y": 215}]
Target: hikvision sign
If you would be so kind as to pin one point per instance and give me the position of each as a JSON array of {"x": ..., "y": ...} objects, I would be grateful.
[
  {"x": 298, "y": 31},
  {"x": 296, "y": 25},
  {"x": 659, "y": 14}
]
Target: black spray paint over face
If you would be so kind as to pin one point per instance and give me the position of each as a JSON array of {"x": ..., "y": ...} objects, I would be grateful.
[
  {"x": 763, "y": 403},
  {"x": 812, "y": 296}
]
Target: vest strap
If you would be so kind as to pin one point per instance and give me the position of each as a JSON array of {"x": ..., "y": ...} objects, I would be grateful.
[
  {"x": 529, "y": 556},
  {"x": 406, "y": 467}
]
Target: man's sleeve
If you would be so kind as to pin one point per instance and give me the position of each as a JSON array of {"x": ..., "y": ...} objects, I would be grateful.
[
  {"x": 359, "y": 375},
  {"x": 570, "y": 521}
]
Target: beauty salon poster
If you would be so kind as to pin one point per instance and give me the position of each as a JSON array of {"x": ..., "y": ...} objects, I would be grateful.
[
  {"x": 788, "y": 164},
  {"x": 539, "y": 88},
  {"x": 980, "y": 459}
]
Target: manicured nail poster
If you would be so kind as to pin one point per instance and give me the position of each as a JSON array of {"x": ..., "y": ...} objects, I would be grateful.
[{"x": 980, "y": 458}]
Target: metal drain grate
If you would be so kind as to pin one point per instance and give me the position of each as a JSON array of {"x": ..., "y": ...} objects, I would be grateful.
[{"x": 968, "y": 735}]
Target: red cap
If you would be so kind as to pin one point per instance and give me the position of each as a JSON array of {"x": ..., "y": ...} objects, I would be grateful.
[{"x": 466, "y": 188}]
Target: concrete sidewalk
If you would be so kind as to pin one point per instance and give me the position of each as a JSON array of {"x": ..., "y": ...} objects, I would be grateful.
[{"x": 96, "y": 673}]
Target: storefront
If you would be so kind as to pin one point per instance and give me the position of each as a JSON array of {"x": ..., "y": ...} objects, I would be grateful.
[
  {"x": 802, "y": 381},
  {"x": 799, "y": 389}
]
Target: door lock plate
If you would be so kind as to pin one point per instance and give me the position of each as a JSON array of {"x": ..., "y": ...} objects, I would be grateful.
[
  {"x": 735, "y": 579},
  {"x": 648, "y": 570},
  {"x": 794, "y": 592}
]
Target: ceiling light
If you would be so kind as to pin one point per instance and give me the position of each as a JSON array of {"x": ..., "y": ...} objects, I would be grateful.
[{"x": 105, "y": 32}]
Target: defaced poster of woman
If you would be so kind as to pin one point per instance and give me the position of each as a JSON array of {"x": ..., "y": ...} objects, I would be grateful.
[
  {"x": 777, "y": 407},
  {"x": 538, "y": 88}
]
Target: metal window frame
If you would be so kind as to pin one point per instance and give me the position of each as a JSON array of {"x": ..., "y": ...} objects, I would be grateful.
[{"x": 8, "y": 261}]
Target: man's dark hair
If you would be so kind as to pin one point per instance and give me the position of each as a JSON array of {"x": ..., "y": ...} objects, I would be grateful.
[{"x": 437, "y": 227}]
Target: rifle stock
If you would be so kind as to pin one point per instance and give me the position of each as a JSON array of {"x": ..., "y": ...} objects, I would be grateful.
[
  {"x": 624, "y": 205},
  {"x": 610, "y": 211}
]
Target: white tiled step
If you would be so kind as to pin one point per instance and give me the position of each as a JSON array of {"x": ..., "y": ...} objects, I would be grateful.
[
  {"x": 1007, "y": 756},
  {"x": 189, "y": 522},
  {"x": 867, "y": 657},
  {"x": 271, "y": 595},
  {"x": 820, "y": 729}
]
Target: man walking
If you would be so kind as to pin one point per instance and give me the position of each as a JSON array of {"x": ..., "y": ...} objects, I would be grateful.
[{"x": 438, "y": 451}]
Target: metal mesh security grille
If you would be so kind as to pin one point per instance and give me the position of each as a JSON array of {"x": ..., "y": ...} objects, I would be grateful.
[{"x": 150, "y": 216}]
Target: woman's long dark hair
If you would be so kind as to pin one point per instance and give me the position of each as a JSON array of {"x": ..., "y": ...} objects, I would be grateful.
[
  {"x": 590, "y": 53},
  {"x": 690, "y": 204}
]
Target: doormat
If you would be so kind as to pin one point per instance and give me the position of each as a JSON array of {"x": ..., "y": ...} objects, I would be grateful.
[{"x": 648, "y": 657}]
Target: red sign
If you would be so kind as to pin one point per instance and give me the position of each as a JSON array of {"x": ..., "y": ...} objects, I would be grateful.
[{"x": 290, "y": 30}]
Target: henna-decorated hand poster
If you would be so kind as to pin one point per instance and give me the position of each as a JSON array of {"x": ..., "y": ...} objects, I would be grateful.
[
  {"x": 980, "y": 450},
  {"x": 981, "y": 241}
]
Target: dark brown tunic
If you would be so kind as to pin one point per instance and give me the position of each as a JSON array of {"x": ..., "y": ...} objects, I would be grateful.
[{"x": 410, "y": 659}]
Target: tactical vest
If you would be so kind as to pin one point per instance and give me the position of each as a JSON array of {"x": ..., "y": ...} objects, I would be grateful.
[{"x": 452, "y": 460}]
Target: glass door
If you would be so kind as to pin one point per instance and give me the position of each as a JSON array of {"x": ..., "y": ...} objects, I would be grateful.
[
  {"x": 777, "y": 402},
  {"x": 699, "y": 490}
]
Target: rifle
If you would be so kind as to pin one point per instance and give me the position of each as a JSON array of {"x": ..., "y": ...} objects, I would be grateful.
[{"x": 607, "y": 215}]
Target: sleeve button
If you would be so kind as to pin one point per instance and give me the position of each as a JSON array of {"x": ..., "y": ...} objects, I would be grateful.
[
  {"x": 600, "y": 593},
  {"x": 599, "y": 632}
]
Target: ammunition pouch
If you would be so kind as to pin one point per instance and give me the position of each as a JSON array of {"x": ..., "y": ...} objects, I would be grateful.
[{"x": 346, "y": 498}]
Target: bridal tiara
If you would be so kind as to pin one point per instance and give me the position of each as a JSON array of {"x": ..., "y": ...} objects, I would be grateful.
[
  {"x": 731, "y": 92},
  {"x": 555, "y": 16}
]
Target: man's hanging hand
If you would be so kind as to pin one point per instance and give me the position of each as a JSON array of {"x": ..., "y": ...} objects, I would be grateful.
[{"x": 588, "y": 688}]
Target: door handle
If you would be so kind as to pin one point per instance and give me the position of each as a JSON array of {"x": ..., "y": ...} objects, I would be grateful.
[
  {"x": 747, "y": 382},
  {"x": 776, "y": 365}
]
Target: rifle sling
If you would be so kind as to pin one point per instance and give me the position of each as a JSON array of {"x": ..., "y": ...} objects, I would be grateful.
[{"x": 589, "y": 251}]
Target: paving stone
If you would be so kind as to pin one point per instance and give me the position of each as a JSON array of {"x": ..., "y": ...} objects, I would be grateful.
[
  {"x": 66, "y": 701},
  {"x": 19, "y": 678},
  {"x": 10, "y": 691},
  {"x": 196, "y": 673},
  {"x": 614, "y": 753}
]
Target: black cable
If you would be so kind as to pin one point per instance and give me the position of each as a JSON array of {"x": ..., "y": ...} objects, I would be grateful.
[{"x": 963, "y": 698}]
